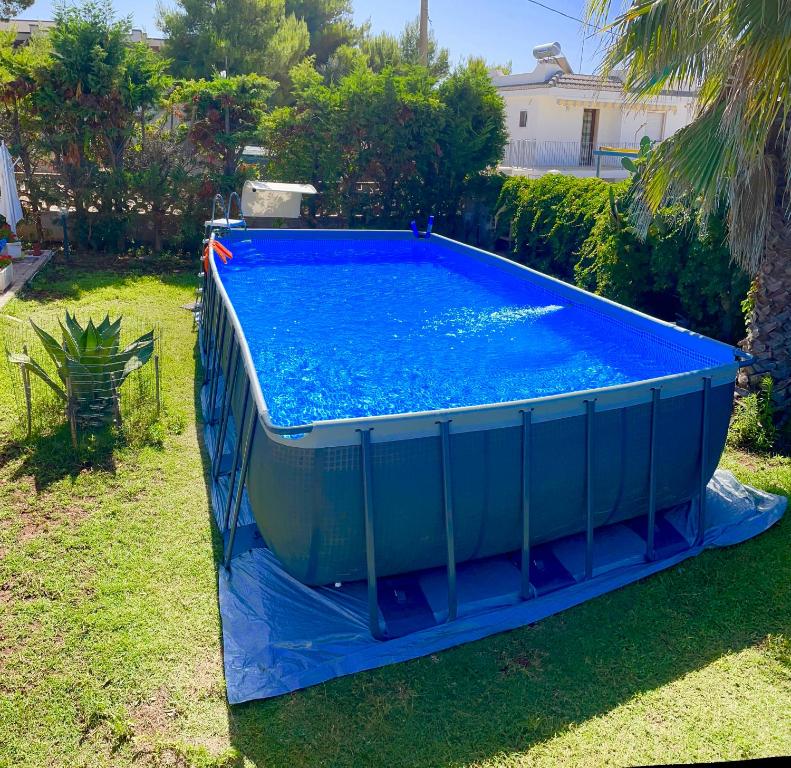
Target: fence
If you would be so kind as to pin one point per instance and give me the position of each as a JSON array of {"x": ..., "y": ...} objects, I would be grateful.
[{"x": 527, "y": 153}]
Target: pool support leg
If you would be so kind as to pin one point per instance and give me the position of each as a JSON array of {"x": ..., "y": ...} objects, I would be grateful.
[
  {"x": 209, "y": 333},
  {"x": 206, "y": 317},
  {"x": 204, "y": 303},
  {"x": 236, "y": 452},
  {"x": 240, "y": 487},
  {"x": 226, "y": 407},
  {"x": 370, "y": 542},
  {"x": 214, "y": 368},
  {"x": 649, "y": 536},
  {"x": 704, "y": 452},
  {"x": 447, "y": 495},
  {"x": 590, "y": 411},
  {"x": 527, "y": 426}
]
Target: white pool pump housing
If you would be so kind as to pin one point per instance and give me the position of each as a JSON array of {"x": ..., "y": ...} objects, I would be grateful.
[{"x": 273, "y": 199}]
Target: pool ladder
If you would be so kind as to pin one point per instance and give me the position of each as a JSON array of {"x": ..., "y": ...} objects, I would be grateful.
[{"x": 215, "y": 225}]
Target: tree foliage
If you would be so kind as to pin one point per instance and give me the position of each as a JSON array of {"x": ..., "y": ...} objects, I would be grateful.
[
  {"x": 737, "y": 55},
  {"x": 20, "y": 122},
  {"x": 237, "y": 36},
  {"x": 87, "y": 96},
  {"x": 385, "y": 50},
  {"x": 409, "y": 45},
  {"x": 330, "y": 24},
  {"x": 165, "y": 179},
  {"x": 264, "y": 37},
  {"x": 11, "y": 8},
  {"x": 387, "y": 145},
  {"x": 222, "y": 116}
]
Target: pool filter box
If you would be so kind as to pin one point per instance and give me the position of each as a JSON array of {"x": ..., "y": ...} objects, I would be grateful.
[{"x": 273, "y": 200}]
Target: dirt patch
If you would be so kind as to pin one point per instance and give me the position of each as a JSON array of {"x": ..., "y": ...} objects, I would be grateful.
[
  {"x": 206, "y": 678},
  {"x": 748, "y": 460},
  {"x": 530, "y": 663},
  {"x": 37, "y": 523},
  {"x": 154, "y": 716}
]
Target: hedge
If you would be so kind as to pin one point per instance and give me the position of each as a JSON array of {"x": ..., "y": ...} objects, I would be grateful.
[{"x": 575, "y": 229}]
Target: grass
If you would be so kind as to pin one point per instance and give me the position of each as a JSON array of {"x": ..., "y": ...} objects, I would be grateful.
[{"x": 110, "y": 649}]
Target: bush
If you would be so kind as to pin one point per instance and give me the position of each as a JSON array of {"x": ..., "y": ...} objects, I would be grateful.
[
  {"x": 387, "y": 147},
  {"x": 752, "y": 426},
  {"x": 575, "y": 229},
  {"x": 551, "y": 219},
  {"x": 680, "y": 272}
]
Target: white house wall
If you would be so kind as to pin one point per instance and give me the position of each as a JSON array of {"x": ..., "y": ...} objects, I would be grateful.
[
  {"x": 559, "y": 123},
  {"x": 609, "y": 131},
  {"x": 555, "y": 116},
  {"x": 559, "y": 118}
]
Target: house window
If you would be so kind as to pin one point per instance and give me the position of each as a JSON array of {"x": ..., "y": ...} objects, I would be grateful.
[{"x": 523, "y": 119}]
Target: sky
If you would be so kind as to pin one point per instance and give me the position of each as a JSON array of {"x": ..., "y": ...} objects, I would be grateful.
[{"x": 497, "y": 30}]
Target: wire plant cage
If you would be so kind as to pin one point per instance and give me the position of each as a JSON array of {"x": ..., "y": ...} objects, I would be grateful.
[{"x": 135, "y": 405}]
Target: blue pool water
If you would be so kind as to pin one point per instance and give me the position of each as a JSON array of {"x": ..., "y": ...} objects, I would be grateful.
[{"x": 343, "y": 327}]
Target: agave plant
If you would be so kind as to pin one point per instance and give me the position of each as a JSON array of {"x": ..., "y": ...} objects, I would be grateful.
[{"x": 90, "y": 365}]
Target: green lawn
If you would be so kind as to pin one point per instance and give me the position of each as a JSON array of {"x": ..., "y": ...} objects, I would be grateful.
[{"x": 110, "y": 636}]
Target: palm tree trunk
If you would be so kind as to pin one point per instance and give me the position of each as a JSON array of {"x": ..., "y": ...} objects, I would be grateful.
[{"x": 769, "y": 323}]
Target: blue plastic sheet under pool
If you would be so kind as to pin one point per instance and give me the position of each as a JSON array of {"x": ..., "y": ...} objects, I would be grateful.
[{"x": 279, "y": 635}]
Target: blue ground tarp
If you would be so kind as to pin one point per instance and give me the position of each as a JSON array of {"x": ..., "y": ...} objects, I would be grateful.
[{"x": 279, "y": 635}]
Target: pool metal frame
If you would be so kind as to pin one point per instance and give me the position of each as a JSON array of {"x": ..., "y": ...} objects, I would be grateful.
[{"x": 217, "y": 314}]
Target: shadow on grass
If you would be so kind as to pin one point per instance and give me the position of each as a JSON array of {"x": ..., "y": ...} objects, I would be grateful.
[
  {"x": 510, "y": 692},
  {"x": 50, "y": 457}
]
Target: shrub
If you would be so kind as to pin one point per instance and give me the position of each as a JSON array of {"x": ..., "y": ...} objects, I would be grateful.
[
  {"x": 552, "y": 218},
  {"x": 752, "y": 426},
  {"x": 681, "y": 271},
  {"x": 575, "y": 229},
  {"x": 386, "y": 147}
]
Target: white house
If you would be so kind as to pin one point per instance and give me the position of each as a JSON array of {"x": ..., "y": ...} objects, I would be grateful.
[
  {"x": 26, "y": 28},
  {"x": 558, "y": 119}
]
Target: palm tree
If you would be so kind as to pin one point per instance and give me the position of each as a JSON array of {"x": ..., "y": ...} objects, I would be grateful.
[{"x": 737, "y": 54}]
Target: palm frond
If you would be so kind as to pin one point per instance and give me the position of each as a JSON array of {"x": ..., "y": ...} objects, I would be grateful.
[{"x": 737, "y": 55}]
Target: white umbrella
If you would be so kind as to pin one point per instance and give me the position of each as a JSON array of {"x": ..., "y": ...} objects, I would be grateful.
[{"x": 10, "y": 206}]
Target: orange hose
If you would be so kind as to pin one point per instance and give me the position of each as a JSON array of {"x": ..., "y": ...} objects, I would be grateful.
[{"x": 222, "y": 250}]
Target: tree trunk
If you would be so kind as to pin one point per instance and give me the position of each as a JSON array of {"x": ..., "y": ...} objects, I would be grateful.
[
  {"x": 159, "y": 221},
  {"x": 769, "y": 323},
  {"x": 27, "y": 167}
]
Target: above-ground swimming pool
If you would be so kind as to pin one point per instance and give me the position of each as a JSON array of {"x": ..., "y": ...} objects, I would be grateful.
[{"x": 400, "y": 403}]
